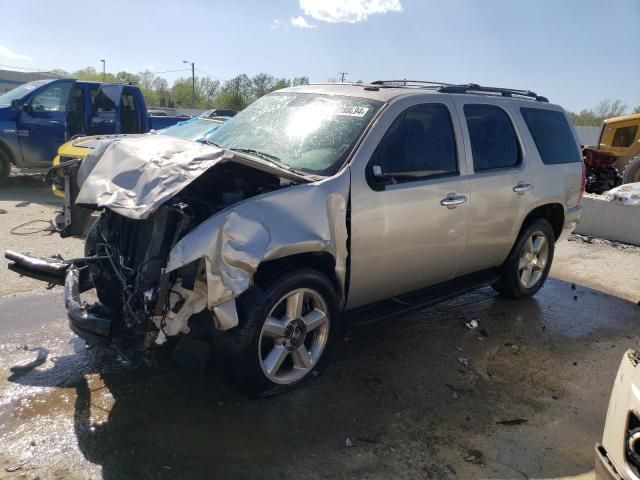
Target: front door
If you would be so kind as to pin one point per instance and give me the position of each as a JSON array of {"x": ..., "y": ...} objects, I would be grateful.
[
  {"x": 42, "y": 125},
  {"x": 409, "y": 224}
]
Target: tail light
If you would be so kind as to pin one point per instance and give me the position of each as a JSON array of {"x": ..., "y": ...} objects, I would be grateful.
[{"x": 584, "y": 182}]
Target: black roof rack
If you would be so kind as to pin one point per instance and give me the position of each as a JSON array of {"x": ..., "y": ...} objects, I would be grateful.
[
  {"x": 505, "y": 92},
  {"x": 409, "y": 83},
  {"x": 453, "y": 88}
]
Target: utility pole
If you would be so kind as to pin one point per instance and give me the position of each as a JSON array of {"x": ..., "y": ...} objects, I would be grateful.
[
  {"x": 193, "y": 82},
  {"x": 342, "y": 75},
  {"x": 103, "y": 70}
]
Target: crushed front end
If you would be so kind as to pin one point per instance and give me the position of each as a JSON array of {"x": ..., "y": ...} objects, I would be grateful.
[{"x": 182, "y": 229}]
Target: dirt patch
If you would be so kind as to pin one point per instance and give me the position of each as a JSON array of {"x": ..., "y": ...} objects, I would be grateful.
[{"x": 29, "y": 206}]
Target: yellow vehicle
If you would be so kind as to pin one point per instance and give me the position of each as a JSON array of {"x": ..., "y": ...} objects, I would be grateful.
[
  {"x": 620, "y": 136},
  {"x": 76, "y": 148}
]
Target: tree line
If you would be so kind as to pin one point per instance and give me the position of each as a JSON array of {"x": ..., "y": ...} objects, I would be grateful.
[
  {"x": 241, "y": 90},
  {"x": 235, "y": 93},
  {"x": 594, "y": 117}
]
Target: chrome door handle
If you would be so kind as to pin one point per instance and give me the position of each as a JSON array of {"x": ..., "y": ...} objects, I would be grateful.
[
  {"x": 452, "y": 200},
  {"x": 522, "y": 187}
]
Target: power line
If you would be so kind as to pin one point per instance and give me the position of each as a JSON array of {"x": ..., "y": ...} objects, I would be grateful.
[
  {"x": 172, "y": 71},
  {"x": 342, "y": 75},
  {"x": 209, "y": 75}
]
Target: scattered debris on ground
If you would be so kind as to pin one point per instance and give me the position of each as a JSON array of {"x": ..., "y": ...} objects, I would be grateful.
[
  {"x": 575, "y": 237},
  {"x": 474, "y": 456},
  {"x": 513, "y": 421}
]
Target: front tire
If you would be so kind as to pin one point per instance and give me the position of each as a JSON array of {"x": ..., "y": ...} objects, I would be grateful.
[
  {"x": 5, "y": 168},
  {"x": 283, "y": 335},
  {"x": 528, "y": 264}
]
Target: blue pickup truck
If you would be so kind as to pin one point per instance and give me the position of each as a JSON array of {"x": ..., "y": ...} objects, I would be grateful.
[{"x": 37, "y": 117}]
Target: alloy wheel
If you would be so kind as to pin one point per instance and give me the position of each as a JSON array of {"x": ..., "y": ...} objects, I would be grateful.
[
  {"x": 533, "y": 259},
  {"x": 294, "y": 336}
]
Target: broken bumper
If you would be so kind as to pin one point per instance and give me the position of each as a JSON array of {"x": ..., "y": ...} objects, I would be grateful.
[
  {"x": 46, "y": 269},
  {"x": 605, "y": 468},
  {"x": 92, "y": 323}
]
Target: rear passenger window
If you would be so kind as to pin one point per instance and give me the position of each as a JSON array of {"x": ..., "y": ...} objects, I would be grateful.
[
  {"x": 624, "y": 136},
  {"x": 493, "y": 140},
  {"x": 552, "y": 135},
  {"x": 420, "y": 143}
]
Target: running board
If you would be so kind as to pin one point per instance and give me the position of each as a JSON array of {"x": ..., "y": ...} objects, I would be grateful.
[{"x": 425, "y": 297}]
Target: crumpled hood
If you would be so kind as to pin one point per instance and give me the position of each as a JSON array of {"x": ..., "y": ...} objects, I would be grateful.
[
  {"x": 94, "y": 141},
  {"x": 134, "y": 176}
]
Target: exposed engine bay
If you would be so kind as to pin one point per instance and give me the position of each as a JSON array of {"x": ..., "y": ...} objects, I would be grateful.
[{"x": 131, "y": 280}]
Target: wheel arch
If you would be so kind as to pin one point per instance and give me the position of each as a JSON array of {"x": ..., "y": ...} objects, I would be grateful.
[
  {"x": 323, "y": 262},
  {"x": 552, "y": 212}
]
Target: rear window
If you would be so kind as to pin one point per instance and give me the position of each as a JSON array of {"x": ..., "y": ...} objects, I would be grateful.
[{"x": 552, "y": 135}]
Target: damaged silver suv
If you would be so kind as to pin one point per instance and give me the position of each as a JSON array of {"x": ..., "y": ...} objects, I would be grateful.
[{"x": 314, "y": 207}]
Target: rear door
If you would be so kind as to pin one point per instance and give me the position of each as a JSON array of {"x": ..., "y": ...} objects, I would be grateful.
[
  {"x": 42, "y": 125},
  {"x": 501, "y": 181},
  {"x": 105, "y": 116},
  {"x": 131, "y": 114}
]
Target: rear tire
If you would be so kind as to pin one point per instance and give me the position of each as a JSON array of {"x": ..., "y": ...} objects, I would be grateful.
[
  {"x": 5, "y": 168},
  {"x": 283, "y": 335},
  {"x": 527, "y": 266},
  {"x": 631, "y": 172}
]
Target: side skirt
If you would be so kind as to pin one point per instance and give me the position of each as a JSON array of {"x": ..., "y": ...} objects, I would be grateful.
[{"x": 419, "y": 298}]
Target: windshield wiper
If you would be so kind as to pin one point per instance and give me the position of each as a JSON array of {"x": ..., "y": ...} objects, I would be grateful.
[
  {"x": 268, "y": 157},
  {"x": 209, "y": 142}
]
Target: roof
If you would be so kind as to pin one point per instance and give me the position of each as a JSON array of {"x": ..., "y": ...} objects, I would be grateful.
[
  {"x": 385, "y": 91},
  {"x": 623, "y": 118}
]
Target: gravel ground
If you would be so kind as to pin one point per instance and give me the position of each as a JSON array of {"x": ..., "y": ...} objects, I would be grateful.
[{"x": 25, "y": 199}]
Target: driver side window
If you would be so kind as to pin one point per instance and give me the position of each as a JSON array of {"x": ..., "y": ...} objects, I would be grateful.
[
  {"x": 420, "y": 143},
  {"x": 53, "y": 98}
]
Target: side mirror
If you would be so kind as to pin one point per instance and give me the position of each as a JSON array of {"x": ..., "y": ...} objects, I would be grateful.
[
  {"x": 377, "y": 178},
  {"x": 17, "y": 104}
]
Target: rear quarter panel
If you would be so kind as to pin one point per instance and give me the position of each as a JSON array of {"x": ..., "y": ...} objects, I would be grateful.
[{"x": 559, "y": 183}]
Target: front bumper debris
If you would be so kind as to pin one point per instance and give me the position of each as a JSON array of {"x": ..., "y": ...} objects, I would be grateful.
[
  {"x": 48, "y": 270},
  {"x": 93, "y": 323}
]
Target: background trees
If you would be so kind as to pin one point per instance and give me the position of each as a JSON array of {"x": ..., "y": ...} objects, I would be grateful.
[
  {"x": 236, "y": 93},
  {"x": 595, "y": 116}
]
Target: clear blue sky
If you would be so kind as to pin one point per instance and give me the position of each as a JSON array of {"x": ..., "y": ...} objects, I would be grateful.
[{"x": 576, "y": 52}]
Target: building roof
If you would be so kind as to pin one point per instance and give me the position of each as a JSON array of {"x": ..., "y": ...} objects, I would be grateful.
[{"x": 18, "y": 78}]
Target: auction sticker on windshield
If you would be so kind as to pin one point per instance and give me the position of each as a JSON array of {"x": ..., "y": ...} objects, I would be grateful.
[{"x": 351, "y": 111}]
